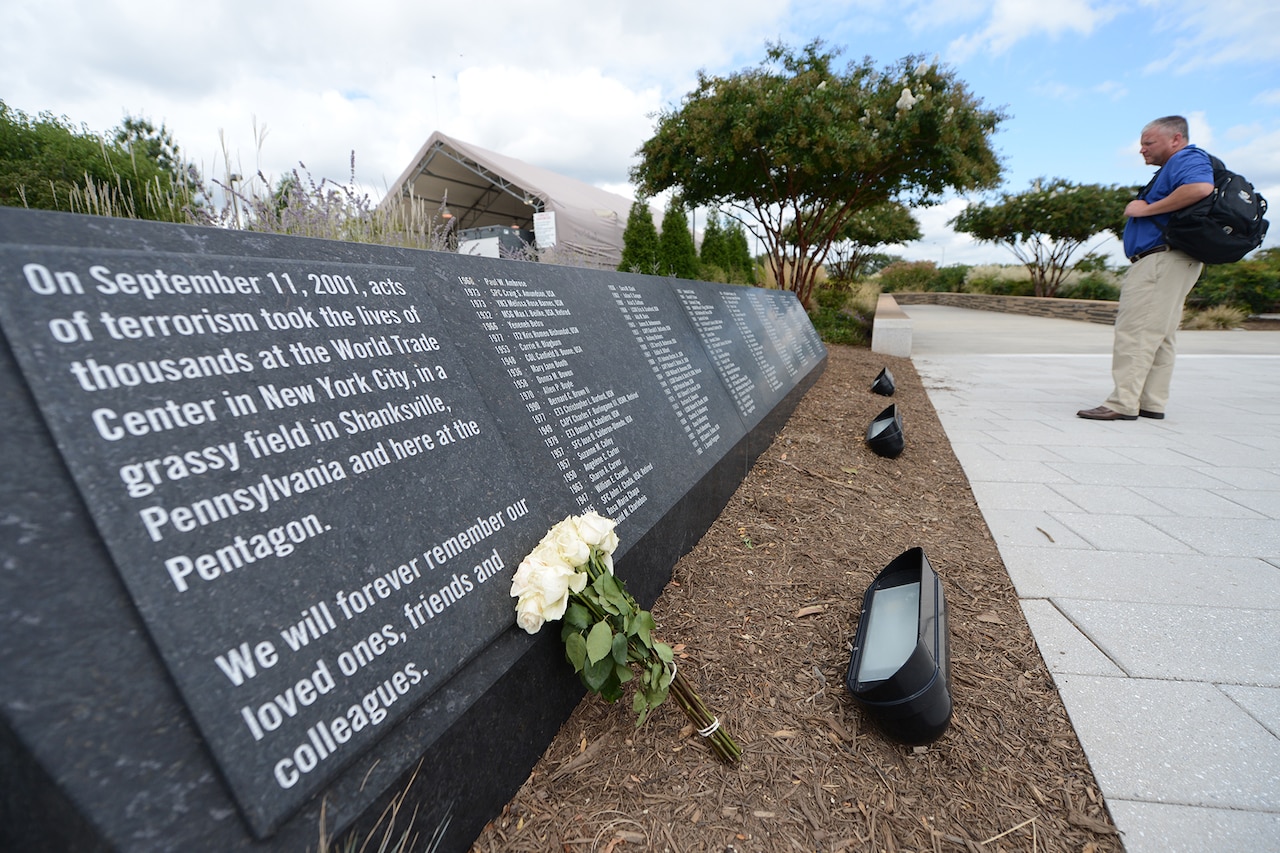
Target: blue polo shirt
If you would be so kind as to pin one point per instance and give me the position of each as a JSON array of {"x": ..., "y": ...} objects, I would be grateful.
[{"x": 1189, "y": 166}]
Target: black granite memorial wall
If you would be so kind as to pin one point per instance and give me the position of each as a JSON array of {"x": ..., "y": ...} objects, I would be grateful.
[{"x": 264, "y": 497}]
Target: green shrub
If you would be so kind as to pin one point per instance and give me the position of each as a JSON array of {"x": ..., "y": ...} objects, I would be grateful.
[
  {"x": 842, "y": 315},
  {"x": 908, "y": 276},
  {"x": 998, "y": 286},
  {"x": 1091, "y": 286},
  {"x": 949, "y": 279},
  {"x": 1253, "y": 283},
  {"x": 831, "y": 295},
  {"x": 135, "y": 171}
]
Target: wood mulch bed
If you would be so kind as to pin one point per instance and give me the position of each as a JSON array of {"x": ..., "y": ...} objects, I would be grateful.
[{"x": 764, "y": 609}]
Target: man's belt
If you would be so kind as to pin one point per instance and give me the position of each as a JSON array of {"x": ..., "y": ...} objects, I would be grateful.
[{"x": 1163, "y": 247}]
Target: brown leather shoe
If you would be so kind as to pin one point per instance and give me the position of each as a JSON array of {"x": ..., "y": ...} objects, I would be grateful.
[
  {"x": 1147, "y": 413},
  {"x": 1102, "y": 413}
]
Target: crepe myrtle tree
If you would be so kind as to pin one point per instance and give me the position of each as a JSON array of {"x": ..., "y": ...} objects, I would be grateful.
[
  {"x": 797, "y": 134},
  {"x": 863, "y": 232},
  {"x": 1047, "y": 224}
]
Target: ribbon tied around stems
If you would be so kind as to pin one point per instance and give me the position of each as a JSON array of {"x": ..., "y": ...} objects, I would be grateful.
[{"x": 710, "y": 728}]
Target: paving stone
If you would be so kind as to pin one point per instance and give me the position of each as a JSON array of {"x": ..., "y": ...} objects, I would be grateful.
[
  {"x": 1159, "y": 578},
  {"x": 1215, "y": 644},
  {"x": 1124, "y": 533},
  {"x": 1175, "y": 742},
  {"x": 1064, "y": 648},
  {"x": 1168, "y": 828}
]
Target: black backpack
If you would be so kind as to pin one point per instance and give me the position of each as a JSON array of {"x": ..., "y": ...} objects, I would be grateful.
[{"x": 1222, "y": 227}]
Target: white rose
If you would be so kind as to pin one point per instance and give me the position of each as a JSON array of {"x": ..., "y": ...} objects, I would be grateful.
[
  {"x": 568, "y": 543},
  {"x": 529, "y": 615},
  {"x": 523, "y": 581},
  {"x": 553, "y": 610},
  {"x": 597, "y": 531},
  {"x": 543, "y": 587},
  {"x": 545, "y": 552}
]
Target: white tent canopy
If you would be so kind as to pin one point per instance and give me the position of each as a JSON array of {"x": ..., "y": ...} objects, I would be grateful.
[{"x": 481, "y": 188}]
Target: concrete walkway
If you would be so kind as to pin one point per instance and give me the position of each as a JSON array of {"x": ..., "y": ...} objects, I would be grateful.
[{"x": 1146, "y": 556}]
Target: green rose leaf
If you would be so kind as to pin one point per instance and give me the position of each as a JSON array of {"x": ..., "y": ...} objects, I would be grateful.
[
  {"x": 599, "y": 642},
  {"x": 643, "y": 625},
  {"x": 641, "y": 708},
  {"x": 612, "y": 690},
  {"x": 620, "y": 649},
  {"x": 597, "y": 674},
  {"x": 577, "y": 616},
  {"x": 612, "y": 598},
  {"x": 664, "y": 651},
  {"x": 575, "y": 649},
  {"x": 623, "y": 673},
  {"x": 619, "y": 596}
]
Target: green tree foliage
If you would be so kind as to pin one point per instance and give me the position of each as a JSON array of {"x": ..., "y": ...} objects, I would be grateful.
[
  {"x": 1047, "y": 224},
  {"x": 742, "y": 267},
  {"x": 48, "y": 163},
  {"x": 874, "y": 262},
  {"x": 715, "y": 246},
  {"x": 157, "y": 145},
  {"x": 640, "y": 241},
  {"x": 1253, "y": 284},
  {"x": 677, "y": 255},
  {"x": 725, "y": 254},
  {"x": 795, "y": 134}
]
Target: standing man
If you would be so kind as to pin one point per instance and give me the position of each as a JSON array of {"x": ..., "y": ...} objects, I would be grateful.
[{"x": 1159, "y": 279}]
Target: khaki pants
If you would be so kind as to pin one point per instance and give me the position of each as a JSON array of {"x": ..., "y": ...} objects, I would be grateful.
[{"x": 1147, "y": 321}]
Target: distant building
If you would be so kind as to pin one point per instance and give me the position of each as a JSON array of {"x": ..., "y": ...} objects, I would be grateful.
[{"x": 480, "y": 189}]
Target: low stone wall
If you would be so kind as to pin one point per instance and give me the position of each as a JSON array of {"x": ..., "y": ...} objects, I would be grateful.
[
  {"x": 891, "y": 329},
  {"x": 1088, "y": 310}
]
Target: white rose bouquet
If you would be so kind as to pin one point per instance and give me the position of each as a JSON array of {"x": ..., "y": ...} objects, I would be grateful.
[{"x": 607, "y": 637}]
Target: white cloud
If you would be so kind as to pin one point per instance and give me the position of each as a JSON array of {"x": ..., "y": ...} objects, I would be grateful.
[
  {"x": 525, "y": 114},
  {"x": 1258, "y": 159},
  {"x": 1198, "y": 129},
  {"x": 376, "y": 78},
  {"x": 1212, "y": 33},
  {"x": 943, "y": 245},
  {"x": 1068, "y": 92},
  {"x": 932, "y": 14},
  {"x": 1012, "y": 21}
]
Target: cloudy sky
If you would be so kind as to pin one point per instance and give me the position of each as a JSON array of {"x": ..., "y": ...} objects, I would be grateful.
[{"x": 573, "y": 86}]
